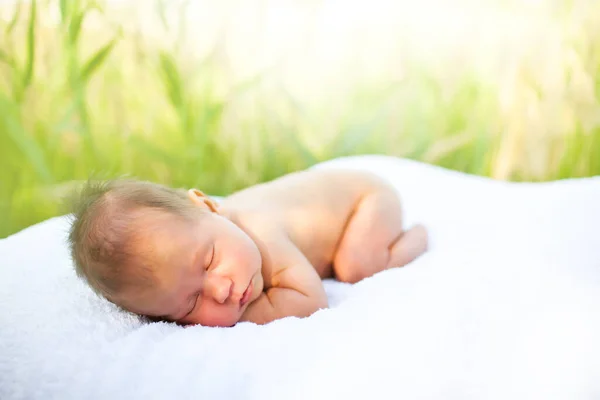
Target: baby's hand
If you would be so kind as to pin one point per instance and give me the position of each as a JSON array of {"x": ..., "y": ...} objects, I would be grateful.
[
  {"x": 295, "y": 291},
  {"x": 277, "y": 303}
]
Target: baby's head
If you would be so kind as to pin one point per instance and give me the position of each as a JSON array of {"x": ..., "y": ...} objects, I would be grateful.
[{"x": 164, "y": 253}]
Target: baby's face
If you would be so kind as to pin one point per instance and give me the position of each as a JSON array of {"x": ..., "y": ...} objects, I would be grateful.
[{"x": 208, "y": 272}]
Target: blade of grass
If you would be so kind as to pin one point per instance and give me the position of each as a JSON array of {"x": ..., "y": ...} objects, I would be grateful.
[
  {"x": 205, "y": 125},
  {"x": 6, "y": 59},
  {"x": 594, "y": 157},
  {"x": 13, "y": 21},
  {"x": 94, "y": 5},
  {"x": 573, "y": 149},
  {"x": 171, "y": 80},
  {"x": 64, "y": 10},
  {"x": 75, "y": 25},
  {"x": 298, "y": 146},
  {"x": 96, "y": 60},
  {"x": 161, "y": 9},
  {"x": 446, "y": 146},
  {"x": 173, "y": 83},
  {"x": 350, "y": 139},
  {"x": 153, "y": 151},
  {"x": 355, "y": 136},
  {"x": 28, "y": 146},
  {"x": 30, "y": 60}
]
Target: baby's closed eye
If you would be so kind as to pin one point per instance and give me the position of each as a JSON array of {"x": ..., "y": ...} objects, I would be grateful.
[{"x": 210, "y": 258}]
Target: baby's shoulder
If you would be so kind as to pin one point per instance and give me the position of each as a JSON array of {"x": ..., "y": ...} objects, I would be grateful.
[{"x": 264, "y": 227}]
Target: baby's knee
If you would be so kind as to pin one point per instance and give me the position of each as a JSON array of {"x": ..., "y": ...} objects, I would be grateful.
[
  {"x": 352, "y": 275},
  {"x": 354, "y": 266}
]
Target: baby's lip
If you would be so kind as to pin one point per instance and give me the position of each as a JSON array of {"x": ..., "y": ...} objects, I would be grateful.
[{"x": 246, "y": 295}]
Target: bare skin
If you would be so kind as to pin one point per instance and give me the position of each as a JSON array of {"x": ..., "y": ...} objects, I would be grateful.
[{"x": 265, "y": 249}]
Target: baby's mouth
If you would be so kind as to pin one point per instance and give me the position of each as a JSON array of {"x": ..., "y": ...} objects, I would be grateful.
[{"x": 246, "y": 295}]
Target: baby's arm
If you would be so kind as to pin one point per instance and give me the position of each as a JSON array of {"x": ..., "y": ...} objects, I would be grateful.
[{"x": 295, "y": 288}]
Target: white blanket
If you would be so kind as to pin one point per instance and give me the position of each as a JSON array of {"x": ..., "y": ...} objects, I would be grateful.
[{"x": 506, "y": 305}]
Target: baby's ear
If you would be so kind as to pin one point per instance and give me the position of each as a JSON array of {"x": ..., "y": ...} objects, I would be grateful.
[{"x": 202, "y": 200}]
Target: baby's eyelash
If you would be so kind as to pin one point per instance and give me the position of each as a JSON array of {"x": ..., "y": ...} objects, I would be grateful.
[{"x": 212, "y": 257}]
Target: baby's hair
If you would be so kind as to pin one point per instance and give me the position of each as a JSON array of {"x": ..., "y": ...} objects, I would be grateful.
[{"x": 102, "y": 236}]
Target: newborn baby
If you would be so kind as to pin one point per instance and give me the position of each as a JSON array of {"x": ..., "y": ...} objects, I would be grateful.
[{"x": 258, "y": 256}]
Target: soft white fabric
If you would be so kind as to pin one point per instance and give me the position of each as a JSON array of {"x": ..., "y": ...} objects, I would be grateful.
[{"x": 506, "y": 305}]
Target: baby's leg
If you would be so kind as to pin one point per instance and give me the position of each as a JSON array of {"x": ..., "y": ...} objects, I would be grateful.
[{"x": 374, "y": 239}]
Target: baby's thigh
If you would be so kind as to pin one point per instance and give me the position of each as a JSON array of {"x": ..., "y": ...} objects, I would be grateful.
[{"x": 365, "y": 245}]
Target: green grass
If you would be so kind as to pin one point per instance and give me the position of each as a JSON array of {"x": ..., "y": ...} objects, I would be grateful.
[{"x": 84, "y": 92}]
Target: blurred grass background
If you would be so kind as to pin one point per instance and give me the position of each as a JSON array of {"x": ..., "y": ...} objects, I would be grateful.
[{"x": 223, "y": 94}]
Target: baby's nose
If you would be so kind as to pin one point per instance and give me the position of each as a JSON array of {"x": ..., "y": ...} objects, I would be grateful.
[{"x": 220, "y": 288}]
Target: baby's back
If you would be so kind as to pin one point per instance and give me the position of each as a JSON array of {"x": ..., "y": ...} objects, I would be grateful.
[{"x": 312, "y": 207}]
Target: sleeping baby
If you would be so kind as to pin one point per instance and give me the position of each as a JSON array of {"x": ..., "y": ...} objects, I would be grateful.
[{"x": 259, "y": 255}]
